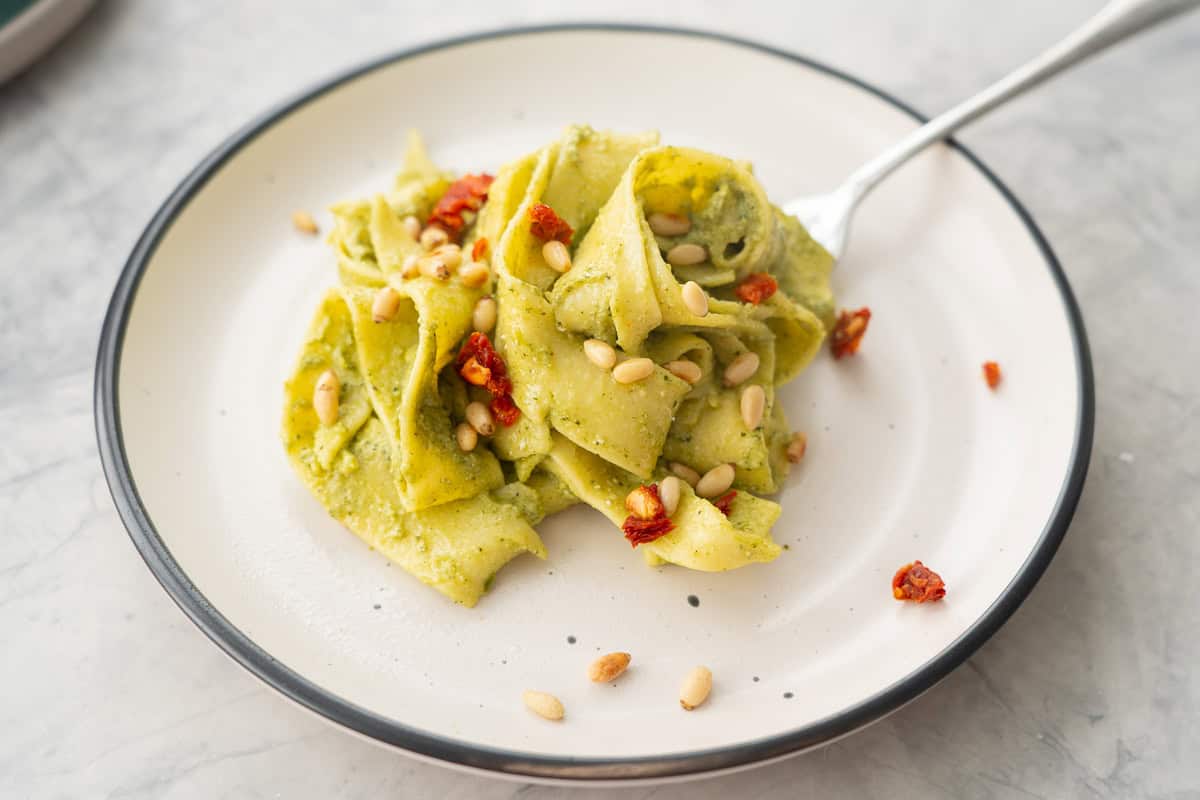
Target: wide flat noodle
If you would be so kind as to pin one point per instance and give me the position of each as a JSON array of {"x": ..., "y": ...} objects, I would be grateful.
[
  {"x": 621, "y": 287},
  {"x": 587, "y": 167},
  {"x": 556, "y": 386},
  {"x": 457, "y": 548},
  {"x": 369, "y": 241},
  {"x": 704, "y": 538},
  {"x": 395, "y": 365}
]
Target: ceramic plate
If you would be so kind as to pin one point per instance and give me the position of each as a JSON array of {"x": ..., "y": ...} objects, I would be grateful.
[{"x": 910, "y": 455}]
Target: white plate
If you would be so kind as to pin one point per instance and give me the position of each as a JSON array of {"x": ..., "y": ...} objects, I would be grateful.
[{"x": 910, "y": 455}]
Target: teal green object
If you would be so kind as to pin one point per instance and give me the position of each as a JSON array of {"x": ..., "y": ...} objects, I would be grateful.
[{"x": 10, "y": 9}]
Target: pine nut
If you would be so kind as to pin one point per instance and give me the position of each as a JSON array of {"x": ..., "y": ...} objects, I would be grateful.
[
  {"x": 600, "y": 353},
  {"x": 685, "y": 370},
  {"x": 754, "y": 400},
  {"x": 304, "y": 222},
  {"x": 432, "y": 237},
  {"x": 695, "y": 299},
  {"x": 695, "y": 688},
  {"x": 385, "y": 305},
  {"x": 412, "y": 226},
  {"x": 669, "y": 489},
  {"x": 685, "y": 472},
  {"x": 411, "y": 267},
  {"x": 474, "y": 274},
  {"x": 481, "y": 418},
  {"x": 557, "y": 255},
  {"x": 669, "y": 224},
  {"x": 435, "y": 267},
  {"x": 741, "y": 368},
  {"x": 633, "y": 370},
  {"x": 325, "y": 397},
  {"x": 484, "y": 316},
  {"x": 716, "y": 481},
  {"x": 686, "y": 254},
  {"x": 449, "y": 253},
  {"x": 608, "y": 667},
  {"x": 796, "y": 447},
  {"x": 466, "y": 436},
  {"x": 546, "y": 706}
]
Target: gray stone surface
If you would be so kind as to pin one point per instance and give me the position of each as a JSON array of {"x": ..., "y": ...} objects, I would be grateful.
[{"x": 1090, "y": 690}]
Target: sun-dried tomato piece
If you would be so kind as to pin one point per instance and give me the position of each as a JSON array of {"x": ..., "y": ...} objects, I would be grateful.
[
  {"x": 643, "y": 531},
  {"x": 479, "y": 249},
  {"x": 848, "y": 332},
  {"x": 478, "y": 347},
  {"x": 918, "y": 583},
  {"x": 475, "y": 373},
  {"x": 756, "y": 288},
  {"x": 467, "y": 194},
  {"x": 478, "y": 360},
  {"x": 991, "y": 374},
  {"x": 505, "y": 410},
  {"x": 547, "y": 225},
  {"x": 645, "y": 503},
  {"x": 725, "y": 502},
  {"x": 647, "y": 518}
]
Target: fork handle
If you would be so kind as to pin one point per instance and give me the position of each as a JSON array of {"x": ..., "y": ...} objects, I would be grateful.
[{"x": 1118, "y": 20}]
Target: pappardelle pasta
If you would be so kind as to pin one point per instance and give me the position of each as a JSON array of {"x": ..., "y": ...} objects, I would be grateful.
[{"x": 604, "y": 322}]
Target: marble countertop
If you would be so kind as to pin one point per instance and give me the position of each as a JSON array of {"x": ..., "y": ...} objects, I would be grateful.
[{"x": 1091, "y": 690}]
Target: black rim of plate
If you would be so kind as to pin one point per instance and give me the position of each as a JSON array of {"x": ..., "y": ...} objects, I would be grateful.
[{"x": 294, "y": 686}]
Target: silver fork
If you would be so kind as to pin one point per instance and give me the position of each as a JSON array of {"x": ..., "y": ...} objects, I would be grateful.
[{"x": 827, "y": 216}]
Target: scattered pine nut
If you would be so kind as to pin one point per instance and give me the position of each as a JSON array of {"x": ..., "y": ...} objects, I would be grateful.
[
  {"x": 466, "y": 436},
  {"x": 557, "y": 255},
  {"x": 546, "y": 706},
  {"x": 385, "y": 305},
  {"x": 412, "y": 226},
  {"x": 608, "y": 667},
  {"x": 669, "y": 224},
  {"x": 484, "y": 316},
  {"x": 304, "y": 222},
  {"x": 796, "y": 447},
  {"x": 600, "y": 353},
  {"x": 473, "y": 274},
  {"x": 481, "y": 419},
  {"x": 695, "y": 299},
  {"x": 685, "y": 472},
  {"x": 432, "y": 237},
  {"x": 754, "y": 401},
  {"x": 686, "y": 254},
  {"x": 633, "y": 370},
  {"x": 669, "y": 490},
  {"x": 685, "y": 370},
  {"x": 741, "y": 368},
  {"x": 716, "y": 481},
  {"x": 325, "y": 397},
  {"x": 695, "y": 689}
]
